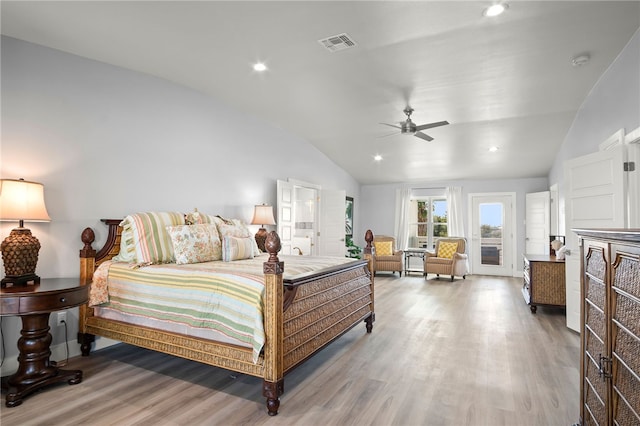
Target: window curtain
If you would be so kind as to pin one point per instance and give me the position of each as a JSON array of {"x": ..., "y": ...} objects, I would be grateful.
[
  {"x": 403, "y": 198},
  {"x": 454, "y": 203}
]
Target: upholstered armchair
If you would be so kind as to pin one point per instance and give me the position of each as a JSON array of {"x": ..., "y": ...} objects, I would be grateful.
[
  {"x": 387, "y": 257},
  {"x": 449, "y": 258}
]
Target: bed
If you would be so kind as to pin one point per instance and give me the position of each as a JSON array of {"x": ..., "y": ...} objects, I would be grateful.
[{"x": 302, "y": 313}]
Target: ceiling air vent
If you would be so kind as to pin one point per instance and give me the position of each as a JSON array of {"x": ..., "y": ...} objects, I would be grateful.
[{"x": 338, "y": 42}]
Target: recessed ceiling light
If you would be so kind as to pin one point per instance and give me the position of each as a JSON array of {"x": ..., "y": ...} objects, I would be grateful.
[
  {"x": 259, "y": 66},
  {"x": 495, "y": 9},
  {"x": 493, "y": 149},
  {"x": 378, "y": 157}
]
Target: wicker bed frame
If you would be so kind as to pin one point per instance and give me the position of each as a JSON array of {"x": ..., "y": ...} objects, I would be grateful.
[{"x": 301, "y": 316}]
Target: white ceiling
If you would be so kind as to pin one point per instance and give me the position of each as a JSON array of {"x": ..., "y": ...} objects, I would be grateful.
[{"x": 506, "y": 81}]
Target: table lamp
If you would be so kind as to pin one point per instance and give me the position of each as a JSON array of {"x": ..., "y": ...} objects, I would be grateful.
[
  {"x": 21, "y": 200},
  {"x": 262, "y": 215}
]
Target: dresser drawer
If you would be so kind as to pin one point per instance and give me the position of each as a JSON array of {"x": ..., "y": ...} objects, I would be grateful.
[{"x": 53, "y": 302}]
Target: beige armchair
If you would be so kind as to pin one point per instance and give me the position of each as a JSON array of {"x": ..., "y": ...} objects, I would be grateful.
[
  {"x": 449, "y": 258},
  {"x": 387, "y": 257}
]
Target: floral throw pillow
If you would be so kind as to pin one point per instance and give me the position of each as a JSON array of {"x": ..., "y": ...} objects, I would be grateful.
[{"x": 195, "y": 243}]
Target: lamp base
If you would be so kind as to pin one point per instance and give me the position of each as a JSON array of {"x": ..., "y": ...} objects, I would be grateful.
[
  {"x": 19, "y": 280},
  {"x": 20, "y": 255},
  {"x": 261, "y": 237}
]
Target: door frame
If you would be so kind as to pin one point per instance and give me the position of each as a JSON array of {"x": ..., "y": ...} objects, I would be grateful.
[{"x": 473, "y": 243}]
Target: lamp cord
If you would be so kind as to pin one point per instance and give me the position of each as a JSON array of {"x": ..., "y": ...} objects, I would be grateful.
[
  {"x": 2, "y": 339},
  {"x": 66, "y": 343}
]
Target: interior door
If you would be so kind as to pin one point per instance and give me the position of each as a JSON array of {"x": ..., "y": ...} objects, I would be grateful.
[
  {"x": 595, "y": 198},
  {"x": 332, "y": 222},
  {"x": 492, "y": 234},
  {"x": 285, "y": 215},
  {"x": 537, "y": 223}
]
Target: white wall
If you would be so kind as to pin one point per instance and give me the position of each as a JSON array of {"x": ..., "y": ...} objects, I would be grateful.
[
  {"x": 612, "y": 104},
  {"x": 106, "y": 142}
]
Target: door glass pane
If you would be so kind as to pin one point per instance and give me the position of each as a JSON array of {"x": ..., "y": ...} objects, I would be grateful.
[{"x": 491, "y": 224}]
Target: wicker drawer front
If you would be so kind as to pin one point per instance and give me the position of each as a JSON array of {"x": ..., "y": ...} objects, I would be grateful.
[
  {"x": 593, "y": 346},
  {"x": 596, "y": 265},
  {"x": 623, "y": 415},
  {"x": 595, "y": 292},
  {"x": 592, "y": 375},
  {"x": 627, "y": 311},
  {"x": 625, "y": 383},
  {"x": 595, "y": 406},
  {"x": 627, "y": 274},
  {"x": 594, "y": 318},
  {"x": 627, "y": 348}
]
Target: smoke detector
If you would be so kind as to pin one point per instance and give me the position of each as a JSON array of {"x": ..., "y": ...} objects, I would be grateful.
[
  {"x": 337, "y": 42},
  {"x": 580, "y": 60}
]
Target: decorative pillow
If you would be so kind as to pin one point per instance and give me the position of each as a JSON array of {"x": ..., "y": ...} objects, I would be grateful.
[
  {"x": 236, "y": 248},
  {"x": 195, "y": 243},
  {"x": 197, "y": 218},
  {"x": 446, "y": 249},
  {"x": 235, "y": 228},
  {"x": 147, "y": 234},
  {"x": 127, "y": 251},
  {"x": 383, "y": 248}
]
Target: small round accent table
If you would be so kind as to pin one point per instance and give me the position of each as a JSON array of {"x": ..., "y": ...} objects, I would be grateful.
[{"x": 34, "y": 303}]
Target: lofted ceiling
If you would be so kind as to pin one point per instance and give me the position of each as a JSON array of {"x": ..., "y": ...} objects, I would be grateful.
[{"x": 506, "y": 81}]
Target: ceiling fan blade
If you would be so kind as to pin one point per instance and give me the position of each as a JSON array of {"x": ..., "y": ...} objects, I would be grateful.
[
  {"x": 431, "y": 125},
  {"x": 387, "y": 135},
  {"x": 423, "y": 136},
  {"x": 392, "y": 125}
]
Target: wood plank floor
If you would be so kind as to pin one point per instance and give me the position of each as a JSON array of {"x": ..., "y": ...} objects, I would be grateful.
[{"x": 463, "y": 353}]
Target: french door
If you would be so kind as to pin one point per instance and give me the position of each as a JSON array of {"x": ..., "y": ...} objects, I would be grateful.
[{"x": 492, "y": 244}]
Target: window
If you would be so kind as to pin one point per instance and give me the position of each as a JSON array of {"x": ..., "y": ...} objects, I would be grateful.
[{"x": 428, "y": 221}]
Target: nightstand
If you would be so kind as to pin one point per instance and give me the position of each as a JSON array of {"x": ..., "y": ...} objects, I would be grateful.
[{"x": 34, "y": 303}]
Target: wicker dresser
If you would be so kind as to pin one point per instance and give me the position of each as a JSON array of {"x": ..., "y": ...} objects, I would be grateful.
[
  {"x": 610, "y": 327},
  {"x": 543, "y": 282}
]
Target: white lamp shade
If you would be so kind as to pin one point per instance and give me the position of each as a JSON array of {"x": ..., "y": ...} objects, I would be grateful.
[
  {"x": 263, "y": 215},
  {"x": 22, "y": 200}
]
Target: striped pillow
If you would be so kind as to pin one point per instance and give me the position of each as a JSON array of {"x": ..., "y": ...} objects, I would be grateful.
[
  {"x": 235, "y": 228},
  {"x": 147, "y": 234},
  {"x": 234, "y": 248}
]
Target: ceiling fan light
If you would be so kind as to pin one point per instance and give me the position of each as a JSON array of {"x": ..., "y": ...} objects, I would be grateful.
[{"x": 495, "y": 9}]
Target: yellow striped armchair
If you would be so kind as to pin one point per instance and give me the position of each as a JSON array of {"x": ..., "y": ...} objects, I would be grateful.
[
  {"x": 387, "y": 257},
  {"x": 449, "y": 258}
]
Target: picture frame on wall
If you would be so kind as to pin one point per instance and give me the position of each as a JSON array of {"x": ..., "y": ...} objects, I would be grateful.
[{"x": 349, "y": 217}]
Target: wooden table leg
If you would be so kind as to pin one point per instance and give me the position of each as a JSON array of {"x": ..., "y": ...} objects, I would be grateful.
[{"x": 35, "y": 370}]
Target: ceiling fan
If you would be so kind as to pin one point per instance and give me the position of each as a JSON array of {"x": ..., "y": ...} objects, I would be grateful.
[{"x": 408, "y": 127}]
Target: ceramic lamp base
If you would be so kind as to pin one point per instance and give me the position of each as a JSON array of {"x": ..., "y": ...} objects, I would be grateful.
[
  {"x": 261, "y": 237},
  {"x": 20, "y": 255}
]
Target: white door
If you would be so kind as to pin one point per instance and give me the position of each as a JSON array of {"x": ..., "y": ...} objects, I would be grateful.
[
  {"x": 492, "y": 233},
  {"x": 595, "y": 198},
  {"x": 537, "y": 223},
  {"x": 332, "y": 223},
  {"x": 285, "y": 214}
]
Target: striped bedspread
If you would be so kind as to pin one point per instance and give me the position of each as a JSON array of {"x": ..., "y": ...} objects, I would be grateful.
[{"x": 225, "y": 297}]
